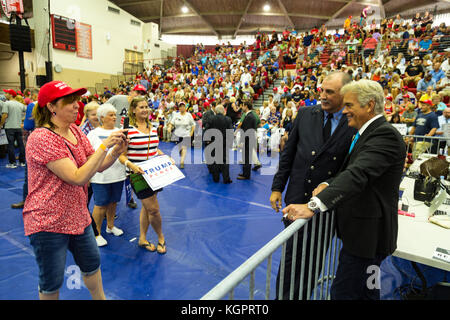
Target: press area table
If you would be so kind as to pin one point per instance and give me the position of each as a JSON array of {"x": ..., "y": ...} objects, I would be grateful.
[{"x": 419, "y": 240}]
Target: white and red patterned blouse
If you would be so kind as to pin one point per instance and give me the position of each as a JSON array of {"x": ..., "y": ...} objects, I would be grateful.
[
  {"x": 53, "y": 205},
  {"x": 142, "y": 146}
]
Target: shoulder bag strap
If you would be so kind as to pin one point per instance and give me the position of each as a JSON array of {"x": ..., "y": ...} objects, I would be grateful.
[{"x": 64, "y": 142}]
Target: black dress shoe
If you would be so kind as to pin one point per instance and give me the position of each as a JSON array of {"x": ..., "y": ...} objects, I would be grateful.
[
  {"x": 18, "y": 205},
  {"x": 228, "y": 181},
  {"x": 239, "y": 177},
  {"x": 258, "y": 166}
]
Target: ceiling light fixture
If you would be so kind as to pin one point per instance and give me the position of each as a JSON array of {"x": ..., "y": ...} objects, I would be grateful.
[
  {"x": 184, "y": 9},
  {"x": 266, "y": 7}
]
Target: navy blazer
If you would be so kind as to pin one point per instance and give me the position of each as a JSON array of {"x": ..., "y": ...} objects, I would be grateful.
[
  {"x": 365, "y": 193},
  {"x": 306, "y": 160}
]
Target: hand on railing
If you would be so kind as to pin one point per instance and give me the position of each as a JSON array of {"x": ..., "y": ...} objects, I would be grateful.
[{"x": 297, "y": 211}]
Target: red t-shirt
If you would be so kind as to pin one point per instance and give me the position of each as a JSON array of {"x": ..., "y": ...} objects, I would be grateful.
[{"x": 53, "y": 205}]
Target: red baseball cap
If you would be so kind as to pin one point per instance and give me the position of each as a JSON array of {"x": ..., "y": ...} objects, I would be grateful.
[
  {"x": 389, "y": 98},
  {"x": 140, "y": 87},
  {"x": 427, "y": 101},
  {"x": 54, "y": 90},
  {"x": 275, "y": 89},
  {"x": 11, "y": 92}
]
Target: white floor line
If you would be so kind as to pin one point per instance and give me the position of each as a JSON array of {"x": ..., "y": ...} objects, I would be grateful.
[
  {"x": 16, "y": 243},
  {"x": 220, "y": 196}
]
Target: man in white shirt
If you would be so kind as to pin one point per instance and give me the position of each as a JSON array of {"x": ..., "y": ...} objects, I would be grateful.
[
  {"x": 246, "y": 77},
  {"x": 443, "y": 120},
  {"x": 443, "y": 86}
]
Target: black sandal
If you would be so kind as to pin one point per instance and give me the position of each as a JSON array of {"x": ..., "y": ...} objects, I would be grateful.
[
  {"x": 162, "y": 245},
  {"x": 148, "y": 245}
]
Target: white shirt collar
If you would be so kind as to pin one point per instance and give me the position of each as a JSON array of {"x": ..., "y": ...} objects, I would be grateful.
[{"x": 367, "y": 124}]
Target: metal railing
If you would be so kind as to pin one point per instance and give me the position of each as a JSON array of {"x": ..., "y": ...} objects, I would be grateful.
[
  {"x": 318, "y": 281},
  {"x": 324, "y": 252},
  {"x": 417, "y": 145}
]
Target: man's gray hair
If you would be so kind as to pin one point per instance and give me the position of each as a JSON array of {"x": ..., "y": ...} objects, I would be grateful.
[
  {"x": 104, "y": 109},
  {"x": 366, "y": 91},
  {"x": 220, "y": 109},
  {"x": 344, "y": 76}
]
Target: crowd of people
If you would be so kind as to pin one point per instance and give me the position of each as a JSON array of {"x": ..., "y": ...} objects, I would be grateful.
[{"x": 76, "y": 140}]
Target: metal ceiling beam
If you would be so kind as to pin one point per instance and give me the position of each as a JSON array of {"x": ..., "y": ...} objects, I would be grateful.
[
  {"x": 392, "y": 10},
  {"x": 234, "y": 13},
  {"x": 340, "y": 10},
  {"x": 304, "y": 15},
  {"x": 196, "y": 30},
  {"x": 134, "y": 3},
  {"x": 280, "y": 14},
  {"x": 341, "y": 1},
  {"x": 288, "y": 18},
  {"x": 192, "y": 8},
  {"x": 184, "y": 15},
  {"x": 180, "y": 30},
  {"x": 242, "y": 18},
  {"x": 222, "y": 13}
]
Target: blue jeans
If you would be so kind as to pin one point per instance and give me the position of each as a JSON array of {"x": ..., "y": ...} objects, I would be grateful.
[
  {"x": 50, "y": 250},
  {"x": 15, "y": 135}
]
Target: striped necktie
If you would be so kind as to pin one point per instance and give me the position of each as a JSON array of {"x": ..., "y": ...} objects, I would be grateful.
[{"x": 353, "y": 142}]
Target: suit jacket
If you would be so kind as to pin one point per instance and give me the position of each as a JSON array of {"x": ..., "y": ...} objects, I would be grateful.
[
  {"x": 306, "y": 160},
  {"x": 249, "y": 122},
  {"x": 207, "y": 118},
  {"x": 365, "y": 192},
  {"x": 222, "y": 123}
]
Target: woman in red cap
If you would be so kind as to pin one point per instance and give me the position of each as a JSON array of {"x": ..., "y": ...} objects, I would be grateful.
[{"x": 61, "y": 161}]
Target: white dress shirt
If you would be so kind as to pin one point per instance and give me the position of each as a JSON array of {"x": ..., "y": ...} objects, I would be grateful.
[{"x": 321, "y": 205}]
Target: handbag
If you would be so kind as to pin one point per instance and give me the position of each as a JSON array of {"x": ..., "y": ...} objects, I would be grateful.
[
  {"x": 425, "y": 188},
  {"x": 137, "y": 180},
  {"x": 3, "y": 138}
]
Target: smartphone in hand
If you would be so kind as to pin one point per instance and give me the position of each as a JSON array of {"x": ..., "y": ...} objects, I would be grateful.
[{"x": 126, "y": 123}]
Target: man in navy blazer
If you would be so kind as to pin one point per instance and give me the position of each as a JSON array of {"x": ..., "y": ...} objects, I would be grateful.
[
  {"x": 248, "y": 127},
  {"x": 308, "y": 159},
  {"x": 364, "y": 194}
]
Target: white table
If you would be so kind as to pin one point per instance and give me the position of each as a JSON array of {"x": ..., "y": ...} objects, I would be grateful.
[{"x": 417, "y": 237}]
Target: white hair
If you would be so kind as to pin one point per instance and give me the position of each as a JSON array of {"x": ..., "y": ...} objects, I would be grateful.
[
  {"x": 103, "y": 110},
  {"x": 220, "y": 109},
  {"x": 366, "y": 91}
]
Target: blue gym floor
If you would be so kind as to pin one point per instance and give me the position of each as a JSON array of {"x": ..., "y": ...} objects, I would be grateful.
[{"x": 210, "y": 230}]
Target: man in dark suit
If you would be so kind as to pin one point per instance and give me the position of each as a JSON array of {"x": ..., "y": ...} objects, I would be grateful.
[
  {"x": 364, "y": 194},
  {"x": 314, "y": 152},
  {"x": 220, "y": 159},
  {"x": 207, "y": 117},
  {"x": 249, "y": 126}
]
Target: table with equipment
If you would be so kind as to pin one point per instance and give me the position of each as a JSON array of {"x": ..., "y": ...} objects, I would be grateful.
[{"x": 419, "y": 239}]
